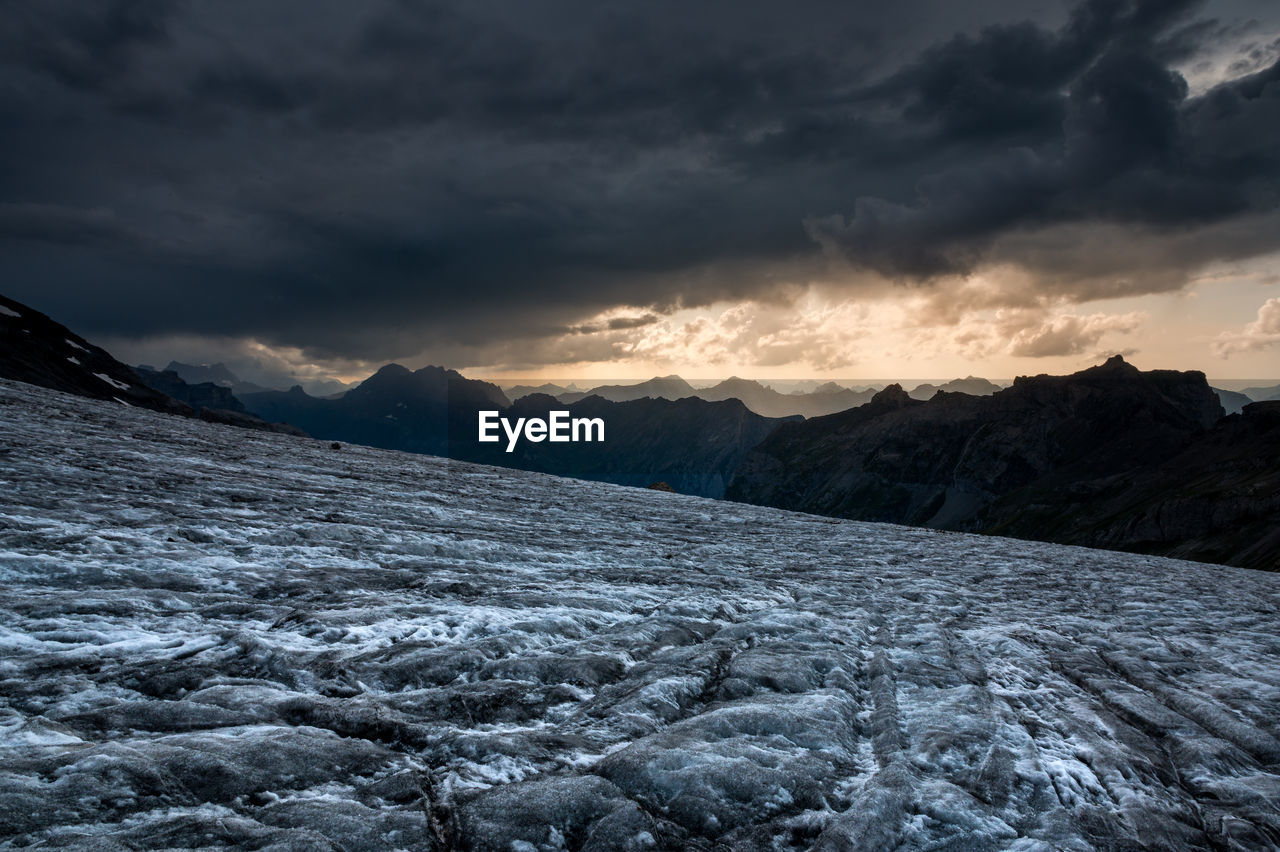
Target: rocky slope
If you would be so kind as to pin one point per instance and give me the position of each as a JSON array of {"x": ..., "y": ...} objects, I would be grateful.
[
  {"x": 217, "y": 639},
  {"x": 37, "y": 350},
  {"x": 1046, "y": 458},
  {"x": 213, "y": 403},
  {"x": 1218, "y": 500}
]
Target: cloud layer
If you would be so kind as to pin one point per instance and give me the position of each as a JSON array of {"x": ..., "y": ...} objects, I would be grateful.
[
  {"x": 1260, "y": 335},
  {"x": 363, "y": 181}
]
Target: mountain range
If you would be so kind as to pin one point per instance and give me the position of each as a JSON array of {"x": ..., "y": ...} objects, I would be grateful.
[
  {"x": 826, "y": 399},
  {"x": 1109, "y": 456},
  {"x": 969, "y": 384},
  {"x": 221, "y": 374},
  {"x": 1261, "y": 394},
  {"x": 396, "y": 408},
  {"x": 659, "y": 387},
  {"x": 518, "y": 391},
  {"x": 692, "y": 444},
  {"x": 40, "y": 351}
]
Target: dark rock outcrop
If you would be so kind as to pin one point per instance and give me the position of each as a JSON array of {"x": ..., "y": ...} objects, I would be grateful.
[
  {"x": 1107, "y": 457},
  {"x": 1218, "y": 500},
  {"x": 213, "y": 403}
]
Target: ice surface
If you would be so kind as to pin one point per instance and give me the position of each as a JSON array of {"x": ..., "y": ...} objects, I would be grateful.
[
  {"x": 213, "y": 637},
  {"x": 9, "y": 312}
]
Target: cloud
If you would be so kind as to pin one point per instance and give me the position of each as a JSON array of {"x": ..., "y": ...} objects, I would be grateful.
[
  {"x": 70, "y": 226},
  {"x": 1098, "y": 131},
  {"x": 1259, "y": 335},
  {"x": 364, "y": 182},
  {"x": 1070, "y": 334}
]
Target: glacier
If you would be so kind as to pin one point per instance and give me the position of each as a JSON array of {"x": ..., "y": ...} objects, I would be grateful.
[{"x": 216, "y": 638}]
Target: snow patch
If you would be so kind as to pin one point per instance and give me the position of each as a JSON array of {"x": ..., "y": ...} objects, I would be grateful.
[{"x": 118, "y": 385}]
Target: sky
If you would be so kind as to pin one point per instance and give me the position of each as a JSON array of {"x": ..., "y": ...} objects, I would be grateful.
[{"x": 918, "y": 189}]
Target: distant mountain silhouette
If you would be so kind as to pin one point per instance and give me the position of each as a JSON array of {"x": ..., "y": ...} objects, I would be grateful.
[
  {"x": 518, "y": 391},
  {"x": 659, "y": 387},
  {"x": 198, "y": 395},
  {"x": 1233, "y": 402},
  {"x": 970, "y": 385},
  {"x": 395, "y": 408},
  {"x": 40, "y": 351},
  {"x": 218, "y": 374},
  {"x": 1042, "y": 459},
  {"x": 763, "y": 400},
  {"x": 221, "y": 374},
  {"x": 1262, "y": 394},
  {"x": 826, "y": 399},
  {"x": 692, "y": 444}
]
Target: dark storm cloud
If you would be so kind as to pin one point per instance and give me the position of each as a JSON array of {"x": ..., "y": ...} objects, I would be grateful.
[
  {"x": 82, "y": 46},
  {"x": 1105, "y": 133},
  {"x": 365, "y": 180},
  {"x": 70, "y": 226}
]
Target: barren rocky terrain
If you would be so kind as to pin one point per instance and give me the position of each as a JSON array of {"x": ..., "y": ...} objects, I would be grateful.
[{"x": 216, "y": 638}]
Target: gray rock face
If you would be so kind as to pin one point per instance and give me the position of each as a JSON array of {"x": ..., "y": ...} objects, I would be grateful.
[{"x": 223, "y": 639}]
